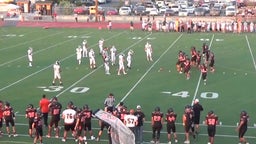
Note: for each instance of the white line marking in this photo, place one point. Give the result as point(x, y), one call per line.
point(13, 46)
point(128, 93)
point(200, 77)
point(53, 46)
point(48, 67)
point(98, 68)
point(249, 46)
point(162, 132)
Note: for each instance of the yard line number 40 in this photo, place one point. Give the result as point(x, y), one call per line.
point(184, 94)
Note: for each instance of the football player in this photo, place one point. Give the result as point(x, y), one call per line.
point(92, 59)
point(79, 51)
point(56, 73)
point(157, 124)
point(121, 65)
point(30, 56)
point(30, 115)
point(211, 121)
point(148, 50)
point(170, 118)
point(242, 127)
point(129, 58)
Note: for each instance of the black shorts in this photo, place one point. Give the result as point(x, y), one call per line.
point(193, 59)
point(68, 127)
point(187, 127)
point(8, 122)
point(104, 125)
point(186, 69)
point(55, 121)
point(39, 132)
point(170, 128)
point(211, 63)
point(242, 131)
point(30, 122)
point(88, 126)
point(211, 131)
point(1, 122)
point(196, 120)
point(157, 127)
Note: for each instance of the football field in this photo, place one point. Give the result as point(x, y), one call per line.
point(229, 90)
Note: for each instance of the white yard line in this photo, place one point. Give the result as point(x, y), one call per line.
point(19, 44)
point(24, 78)
point(249, 47)
point(99, 67)
point(146, 131)
point(41, 50)
point(200, 77)
point(136, 84)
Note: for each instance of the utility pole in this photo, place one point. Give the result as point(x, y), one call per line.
point(96, 10)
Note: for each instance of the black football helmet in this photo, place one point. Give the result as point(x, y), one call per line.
point(170, 110)
point(86, 106)
point(30, 106)
point(157, 109)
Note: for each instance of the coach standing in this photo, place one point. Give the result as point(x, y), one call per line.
point(197, 108)
point(44, 103)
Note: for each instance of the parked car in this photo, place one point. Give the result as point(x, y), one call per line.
point(230, 11)
point(215, 12)
point(199, 11)
point(191, 9)
point(81, 10)
point(206, 7)
point(169, 12)
point(175, 8)
point(111, 11)
point(154, 12)
point(183, 12)
point(163, 9)
point(125, 11)
point(140, 10)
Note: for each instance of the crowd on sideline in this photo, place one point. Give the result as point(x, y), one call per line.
point(78, 121)
point(190, 25)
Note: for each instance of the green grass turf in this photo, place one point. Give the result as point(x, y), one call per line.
point(233, 81)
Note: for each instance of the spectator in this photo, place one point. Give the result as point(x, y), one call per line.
point(43, 104)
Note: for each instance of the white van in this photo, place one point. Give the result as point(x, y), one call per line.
point(102, 1)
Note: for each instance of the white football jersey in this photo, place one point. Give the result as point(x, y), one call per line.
point(69, 116)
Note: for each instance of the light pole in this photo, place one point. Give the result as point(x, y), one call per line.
point(96, 10)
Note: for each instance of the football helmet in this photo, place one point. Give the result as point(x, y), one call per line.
point(157, 109)
point(170, 110)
